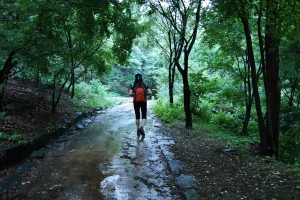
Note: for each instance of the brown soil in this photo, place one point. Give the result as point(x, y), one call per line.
point(237, 174)
point(28, 110)
point(222, 175)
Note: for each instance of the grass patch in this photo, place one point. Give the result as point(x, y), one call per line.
point(16, 137)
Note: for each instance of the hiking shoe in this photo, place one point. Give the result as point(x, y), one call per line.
point(142, 131)
point(138, 132)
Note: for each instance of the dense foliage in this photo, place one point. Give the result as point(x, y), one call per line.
point(57, 44)
point(235, 76)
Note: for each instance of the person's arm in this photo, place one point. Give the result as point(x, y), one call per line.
point(131, 93)
point(149, 92)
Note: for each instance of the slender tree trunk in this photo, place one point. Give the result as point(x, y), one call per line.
point(171, 83)
point(55, 100)
point(2, 96)
point(263, 139)
point(171, 38)
point(292, 94)
point(186, 99)
point(73, 83)
point(187, 92)
point(186, 41)
point(247, 118)
point(72, 62)
point(187, 102)
point(8, 65)
point(4, 72)
point(249, 102)
point(249, 97)
point(37, 78)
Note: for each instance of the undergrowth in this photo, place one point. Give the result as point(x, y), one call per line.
point(93, 95)
point(221, 128)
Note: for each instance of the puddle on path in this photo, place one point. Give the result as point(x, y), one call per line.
point(106, 161)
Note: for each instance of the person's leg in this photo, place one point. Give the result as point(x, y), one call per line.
point(137, 116)
point(137, 122)
point(144, 117)
point(143, 122)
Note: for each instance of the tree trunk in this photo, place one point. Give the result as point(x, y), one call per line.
point(8, 65)
point(272, 42)
point(56, 101)
point(186, 39)
point(263, 139)
point(73, 83)
point(246, 119)
point(172, 66)
point(187, 100)
point(187, 91)
point(292, 93)
point(274, 98)
point(171, 82)
point(249, 99)
point(53, 96)
point(37, 78)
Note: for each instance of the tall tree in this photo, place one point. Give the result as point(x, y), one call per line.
point(273, 15)
point(164, 38)
point(184, 17)
point(224, 40)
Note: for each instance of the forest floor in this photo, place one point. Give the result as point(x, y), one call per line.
point(235, 174)
point(232, 174)
point(28, 110)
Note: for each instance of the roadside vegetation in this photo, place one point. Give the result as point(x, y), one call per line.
point(225, 128)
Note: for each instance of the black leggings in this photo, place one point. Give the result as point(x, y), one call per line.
point(140, 106)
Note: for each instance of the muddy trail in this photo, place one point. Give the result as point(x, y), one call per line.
point(106, 161)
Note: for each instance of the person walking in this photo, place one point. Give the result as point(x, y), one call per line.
point(139, 91)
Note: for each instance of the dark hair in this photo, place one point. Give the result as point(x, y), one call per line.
point(138, 78)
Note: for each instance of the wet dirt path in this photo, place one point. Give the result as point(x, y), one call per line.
point(106, 161)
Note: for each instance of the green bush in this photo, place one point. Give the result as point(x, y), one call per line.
point(226, 121)
point(290, 146)
point(203, 111)
point(3, 136)
point(13, 137)
point(94, 94)
point(168, 113)
point(290, 136)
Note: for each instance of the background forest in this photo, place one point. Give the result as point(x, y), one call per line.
point(229, 67)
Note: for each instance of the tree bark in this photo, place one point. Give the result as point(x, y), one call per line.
point(273, 94)
point(249, 95)
point(8, 65)
point(246, 119)
point(171, 68)
point(55, 100)
point(171, 83)
point(187, 101)
point(274, 98)
point(263, 139)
